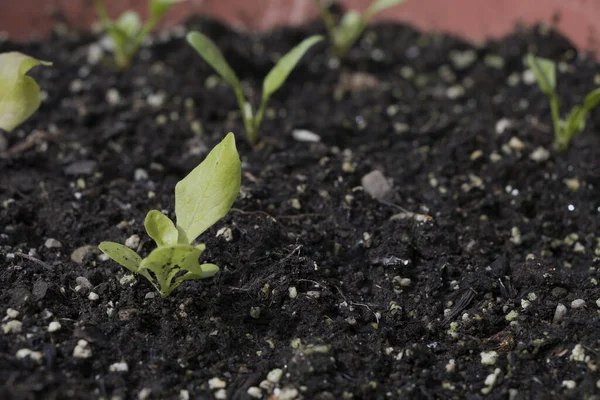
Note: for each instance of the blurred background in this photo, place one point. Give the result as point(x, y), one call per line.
point(472, 19)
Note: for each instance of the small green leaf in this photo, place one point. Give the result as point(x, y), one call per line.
point(159, 7)
point(19, 93)
point(161, 228)
point(208, 192)
point(198, 272)
point(544, 71)
point(379, 6)
point(129, 23)
point(277, 76)
point(592, 100)
point(122, 254)
point(348, 31)
point(574, 123)
point(209, 51)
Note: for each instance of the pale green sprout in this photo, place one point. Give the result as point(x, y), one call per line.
point(351, 26)
point(202, 198)
point(544, 71)
point(128, 32)
point(19, 93)
point(209, 51)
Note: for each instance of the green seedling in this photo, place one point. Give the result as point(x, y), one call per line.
point(19, 93)
point(343, 35)
point(544, 71)
point(209, 51)
point(128, 32)
point(201, 199)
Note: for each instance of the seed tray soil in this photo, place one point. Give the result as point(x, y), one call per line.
point(447, 289)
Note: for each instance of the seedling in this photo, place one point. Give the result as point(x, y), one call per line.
point(209, 51)
point(128, 32)
point(201, 199)
point(351, 26)
point(545, 74)
point(19, 93)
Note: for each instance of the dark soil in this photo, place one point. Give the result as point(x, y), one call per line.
point(472, 253)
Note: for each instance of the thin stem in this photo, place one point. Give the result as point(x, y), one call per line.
point(559, 139)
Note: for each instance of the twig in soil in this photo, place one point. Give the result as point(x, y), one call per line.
point(33, 139)
point(463, 303)
point(35, 260)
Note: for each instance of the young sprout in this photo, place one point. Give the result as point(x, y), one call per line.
point(201, 199)
point(128, 32)
point(209, 51)
point(544, 71)
point(352, 24)
point(19, 93)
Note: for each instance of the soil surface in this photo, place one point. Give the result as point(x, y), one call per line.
point(476, 275)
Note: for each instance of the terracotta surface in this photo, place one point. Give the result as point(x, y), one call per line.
point(473, 19)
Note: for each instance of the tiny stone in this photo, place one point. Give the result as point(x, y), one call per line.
point(489, 358)
point(569, 384)
point(216, 383)
point(454, 92)
point(78, 255)
point(12, 326)
point(52, 243)
point(578, 248)
point(559, 313)
point(540, 154)
point(32, 355)
point(376, 184)
point(275, 375)
point(112, 96)
point(144, 394)
point(254, 392)
point(476, 155)
point(11, 313)
point(119, 367)
point(405, 282)
point(293, 292)
point(303, 135)
point(502, 125)
point(578, 353)
point(516, 144)
point(127, 279)
point(94, 54)
point(288, 394)
point(528, 77)
point(150, 295)
point(54, 326)
point(140, 174)
point(184, 394)
point(93, 296)
point(82, 350)
point(132, 241)
point(295, 204)
point(511, 316)
point(221, 394)
point(226, 233)
point(83, 282)
point(578, 303)
point(81, 167)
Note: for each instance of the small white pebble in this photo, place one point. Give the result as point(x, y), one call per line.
point(275, 375)
point(113, 96)
point(221, 394)
point(559, 313)
point(93, 296)
point(539, 155)
point(12, 326)
point(225, 233)
point(216, 383)
point(119, 367)
point(82, 350)
point(578, 353)
point(32, 355)
point(577, 303)
point(516, 144)
point(54, 326)
point(184, 394)
point(489, 357)
point(132, 241)
point(52, 243)
point(10, 313)
point(287, 393)
point(144, 394)
point(303, 135)
point(140, 174)
point(490, 380)
point(502, 125)
point(254, 392)
point(569, 384)
point(293, 292)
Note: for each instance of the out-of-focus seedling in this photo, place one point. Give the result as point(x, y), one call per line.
point(209, 51)
point(544, 71)
point(344, 34)
point(19, 93)
point(128, 32)
point(201, 199)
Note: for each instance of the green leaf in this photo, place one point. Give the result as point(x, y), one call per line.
point(122, 254)
point(592, 100)
point(161, 228)
point(209, 51)
point(198, 272)
point(379, 6)
point(208, 192)
point(277, 76)
point(167, 261)
point(545, 73)
point(19, 93)
point(159, 7)
point(129, 23)
point(574, 123)
point(348, 31)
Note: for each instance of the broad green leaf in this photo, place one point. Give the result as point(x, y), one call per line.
point(208, 192)
point(129, 23)
point(209, 51)
point(122, 254)
point(277, 76)
point(545, 73)
point(159, 7)
point(349, 29)
point(592, 100)
point(574, 123)
point(19, 93)
point(161, 228)
point(198, 272)
point(379, 6)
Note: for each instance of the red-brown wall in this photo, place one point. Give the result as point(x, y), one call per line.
point(472, 19)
